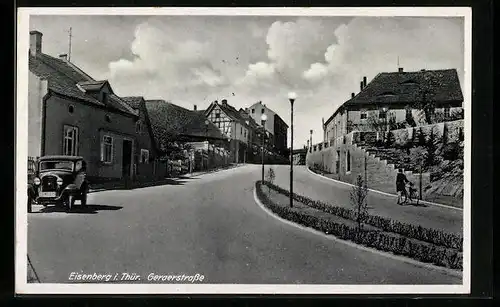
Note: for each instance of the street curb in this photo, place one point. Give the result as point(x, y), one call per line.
point(176, 178)
point(384, 193)
point(351, 244)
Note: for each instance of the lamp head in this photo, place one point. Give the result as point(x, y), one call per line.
point(263, 117)
point(292, 96)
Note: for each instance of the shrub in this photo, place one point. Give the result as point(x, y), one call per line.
point(358, 200)
point(451, 151)
point(388, 242)
point(433, 236)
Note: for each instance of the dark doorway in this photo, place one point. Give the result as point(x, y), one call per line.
point(126, 158)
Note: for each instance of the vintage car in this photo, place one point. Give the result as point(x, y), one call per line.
point(60, 180)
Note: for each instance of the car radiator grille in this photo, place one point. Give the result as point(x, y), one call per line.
point(49, 183)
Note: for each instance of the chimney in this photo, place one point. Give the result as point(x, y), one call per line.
point(35, 42)
point(400, 69)
point(195, 108)
point(364, 81)
point(422, 69)
point(352, 95)
point(224, 101)
point(361, 85)
point(63, 57)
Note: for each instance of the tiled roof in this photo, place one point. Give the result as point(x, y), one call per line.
point(168, 121)
point(405, 87)
point(62, 79)
point(249, 119)
point(231, 112)
point(133, 101)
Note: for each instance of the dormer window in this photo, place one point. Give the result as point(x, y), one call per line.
point(105, 97)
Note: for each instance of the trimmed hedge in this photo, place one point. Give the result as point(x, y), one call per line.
point(437, 237)
point(387, 242)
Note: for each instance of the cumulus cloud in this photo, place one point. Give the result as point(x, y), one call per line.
point(196, 59)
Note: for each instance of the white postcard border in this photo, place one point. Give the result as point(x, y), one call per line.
point(21, 236)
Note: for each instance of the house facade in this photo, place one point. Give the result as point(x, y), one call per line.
point(146, 159)
point(275, 125)
point(174, 126)
point(70, 113)
point(233, 126)
point(392, 101)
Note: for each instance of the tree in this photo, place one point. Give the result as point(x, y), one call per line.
point(358, 197)
point(409, 118)
point(270, 177)
point(431, 146)
point(427, 92)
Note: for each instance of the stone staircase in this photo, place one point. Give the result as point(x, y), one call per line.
point(393, 158)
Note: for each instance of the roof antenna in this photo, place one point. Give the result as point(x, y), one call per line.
point(69, 51)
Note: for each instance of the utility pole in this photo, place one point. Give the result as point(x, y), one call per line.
point(69, 51)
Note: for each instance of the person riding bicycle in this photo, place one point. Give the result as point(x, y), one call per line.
point(401, 182)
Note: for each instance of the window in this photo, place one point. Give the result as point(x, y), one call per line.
point(144, 156)
point(348, 161)
point(107, 118)
point(241, 130)
point(363, 114)
point(447, 112)
point(71, 109)
point(245, 134)
point(70, 142)
point(217, 114)
point(138, 127)
point(107, 149)
point(262, 111)
point(253, 111)
point(382, 114)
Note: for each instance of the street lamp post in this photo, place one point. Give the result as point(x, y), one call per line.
point(206, 139)
point(311, 138)
point(263, 119)
point(291, 97)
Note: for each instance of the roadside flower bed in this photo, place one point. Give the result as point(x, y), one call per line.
point(397, 238)
point(434, 236)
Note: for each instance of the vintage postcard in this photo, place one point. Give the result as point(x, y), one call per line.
point(243, 150)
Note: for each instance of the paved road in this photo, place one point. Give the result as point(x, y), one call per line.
point(208, 225)
point(316, 187)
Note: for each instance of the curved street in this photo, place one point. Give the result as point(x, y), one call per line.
point(212, 226)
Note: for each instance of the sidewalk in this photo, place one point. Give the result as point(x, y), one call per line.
point(121, 185)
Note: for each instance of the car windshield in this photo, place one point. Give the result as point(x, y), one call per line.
point(62, 165)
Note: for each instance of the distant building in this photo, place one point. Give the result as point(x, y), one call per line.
point(233, 126)
point(299, 156)
point(391, 100)
point(173, 125)
point(275, 125)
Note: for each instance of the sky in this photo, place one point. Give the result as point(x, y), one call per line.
point(194, 60)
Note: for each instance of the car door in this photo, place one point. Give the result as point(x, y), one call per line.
point(80, 173)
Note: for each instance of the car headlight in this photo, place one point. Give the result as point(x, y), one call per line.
point(59, 181)
point(36, 181)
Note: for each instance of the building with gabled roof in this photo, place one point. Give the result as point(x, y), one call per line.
point(392, 100)
point(233, 126)
point(70, 114)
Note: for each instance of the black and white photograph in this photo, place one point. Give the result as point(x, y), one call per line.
point(244, 150)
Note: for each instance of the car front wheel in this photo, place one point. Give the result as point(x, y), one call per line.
point(70, 201)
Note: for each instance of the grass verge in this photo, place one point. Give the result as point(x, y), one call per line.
point(380, 233)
